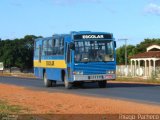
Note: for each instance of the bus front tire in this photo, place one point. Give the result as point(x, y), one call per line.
point(67, 84)
point(102, 84)
point(47, 83)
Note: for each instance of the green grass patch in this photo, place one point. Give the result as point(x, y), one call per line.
point(141, 80)
point(5, 108)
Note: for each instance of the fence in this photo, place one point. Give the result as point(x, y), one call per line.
point(122, 70)
point(17, 70)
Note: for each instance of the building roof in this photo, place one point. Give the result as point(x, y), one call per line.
point(153, 47)
point(149, 54)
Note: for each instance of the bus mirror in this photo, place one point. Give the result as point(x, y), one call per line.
point(72, 46)
point(115, 45)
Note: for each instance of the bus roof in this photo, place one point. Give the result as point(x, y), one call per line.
point(72, 33)
point(89, 32)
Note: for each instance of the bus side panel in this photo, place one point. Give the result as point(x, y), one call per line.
point(38, 72)
point(53, 74)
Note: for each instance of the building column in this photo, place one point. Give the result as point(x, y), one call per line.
point(131, 68)
point(154, 66)
point(139, 67)
point(135, 67)
point(149, 68)
point(145, 67)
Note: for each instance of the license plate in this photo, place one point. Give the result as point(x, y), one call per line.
point(109, 76)
point(97, 77)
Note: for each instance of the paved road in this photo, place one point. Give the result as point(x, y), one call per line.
point(134, 92)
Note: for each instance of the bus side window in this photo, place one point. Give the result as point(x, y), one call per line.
point(36, 50)
point(57, 46)
point(61, 51)
point(50, 47)
point(44, 48)
point(54, 49)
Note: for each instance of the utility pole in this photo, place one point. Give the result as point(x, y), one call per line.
point(125, 39)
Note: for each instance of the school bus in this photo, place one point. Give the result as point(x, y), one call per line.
point(76, 57)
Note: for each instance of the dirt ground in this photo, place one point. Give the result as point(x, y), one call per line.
point(42, 102)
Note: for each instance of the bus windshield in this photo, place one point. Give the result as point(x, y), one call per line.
point(94, 51)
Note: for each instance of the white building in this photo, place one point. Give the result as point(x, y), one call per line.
point(146, 64)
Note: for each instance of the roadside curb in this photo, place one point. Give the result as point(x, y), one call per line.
point(134, 82)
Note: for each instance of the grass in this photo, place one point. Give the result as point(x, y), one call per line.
point(5, 108)
point(23, 75)
point(141, 80)
point(16, 112)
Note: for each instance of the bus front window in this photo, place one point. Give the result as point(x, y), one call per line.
point(94, 51)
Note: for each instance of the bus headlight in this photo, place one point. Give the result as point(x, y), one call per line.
point(78, 72)
point(110, 72)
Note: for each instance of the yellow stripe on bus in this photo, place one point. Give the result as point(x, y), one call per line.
point(50, 63)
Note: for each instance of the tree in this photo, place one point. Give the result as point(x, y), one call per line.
point(146, 43)
point(121, 53)
point(132, 50)
point(18, 52)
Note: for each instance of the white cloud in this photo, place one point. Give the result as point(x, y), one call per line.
point(152, 9)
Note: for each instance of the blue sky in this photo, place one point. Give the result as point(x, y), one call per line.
point(131, 19)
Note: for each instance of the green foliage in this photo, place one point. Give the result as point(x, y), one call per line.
point(121, 54)
point(17, 52)
point(6, 109)
point(146, 43)
point(132, 50)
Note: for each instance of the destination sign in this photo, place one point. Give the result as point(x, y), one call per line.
point(93, 36)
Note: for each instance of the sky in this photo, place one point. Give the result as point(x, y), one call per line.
point(134, 20)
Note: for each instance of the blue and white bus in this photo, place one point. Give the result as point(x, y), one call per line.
point(75, 58)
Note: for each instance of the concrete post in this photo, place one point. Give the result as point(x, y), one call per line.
point(138, 67)
point(135, 68)
point(154, 66)
point(149, 68)
point(131, 68)
point(145, 67)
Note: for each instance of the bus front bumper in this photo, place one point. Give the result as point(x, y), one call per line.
point(94, 77)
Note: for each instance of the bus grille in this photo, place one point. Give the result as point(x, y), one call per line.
point(91, 68)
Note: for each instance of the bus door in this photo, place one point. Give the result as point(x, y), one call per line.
point(68, 60)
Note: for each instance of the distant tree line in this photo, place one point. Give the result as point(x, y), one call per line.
point(17, 52)
point(132, 50)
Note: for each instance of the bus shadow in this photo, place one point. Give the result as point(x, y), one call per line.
point(76, 86)
point(128, 85)
point(115, 85)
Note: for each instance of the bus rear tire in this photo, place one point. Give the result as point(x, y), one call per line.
point(47, 83)
point(53, 83)
point(79, 84)
point(102, 84)
point(67, 84)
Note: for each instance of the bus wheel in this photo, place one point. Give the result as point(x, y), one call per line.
point(67, 84)
point(79, 84)
point(47, 83)
point(102, 84)
point(53, 83)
